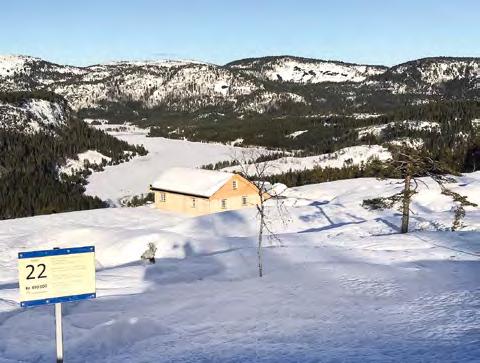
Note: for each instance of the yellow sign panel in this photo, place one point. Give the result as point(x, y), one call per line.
point(61, 275)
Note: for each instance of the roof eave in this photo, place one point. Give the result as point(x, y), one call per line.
point(178, 192)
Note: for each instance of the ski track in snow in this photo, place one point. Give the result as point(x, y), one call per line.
point(343, 285)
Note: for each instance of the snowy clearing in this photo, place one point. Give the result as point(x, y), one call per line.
point(343, 285)
point(74, 165)
point(362, 116)
point(408, 124)
point(353, 155)
point(415, 143)
point(295, 134)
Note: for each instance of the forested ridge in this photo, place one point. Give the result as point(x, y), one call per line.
point(455, 136)
point(455, 144)
point(29, 180)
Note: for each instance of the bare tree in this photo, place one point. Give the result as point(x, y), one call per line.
point(257, 172)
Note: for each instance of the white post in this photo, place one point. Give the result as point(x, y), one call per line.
point(59, 332)
point(58, 328)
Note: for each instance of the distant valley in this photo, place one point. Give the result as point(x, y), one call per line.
point(302, 108)
point(281, 85)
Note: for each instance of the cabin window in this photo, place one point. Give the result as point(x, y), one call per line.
point(224, 204)
point(163, 197)
point(194, 202)
point(234, 184)
point(244, 200)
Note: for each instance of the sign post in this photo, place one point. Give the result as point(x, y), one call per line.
point(59, 332)
point(56, 276)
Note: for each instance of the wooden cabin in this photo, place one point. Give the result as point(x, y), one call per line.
point(199, 192)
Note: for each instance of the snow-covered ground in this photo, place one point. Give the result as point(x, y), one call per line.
point(408, 124)
point(341, 286)
point(292, 69)
point(295, 134)
point(353, 155)
point(415, 142)
point(93, 157)
point(32, 116)
point(134, 177)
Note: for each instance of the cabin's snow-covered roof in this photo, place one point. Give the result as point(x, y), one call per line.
point(199, 182)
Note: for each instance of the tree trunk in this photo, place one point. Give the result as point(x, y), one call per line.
point(406, 204)
point(260, 238)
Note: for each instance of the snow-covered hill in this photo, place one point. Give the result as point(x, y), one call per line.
point(433, 75)
point(178, 85)
point(354, 155)
point(33, 115)
point(243, 86)
point(304, 70)
point(342, 285)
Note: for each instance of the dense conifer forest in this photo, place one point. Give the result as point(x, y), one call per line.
point(29, 180)
point(455, 142)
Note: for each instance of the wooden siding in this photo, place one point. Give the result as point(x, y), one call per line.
point(181, 203)
point(233, 197)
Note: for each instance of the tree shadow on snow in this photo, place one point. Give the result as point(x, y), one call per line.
point(320, 213)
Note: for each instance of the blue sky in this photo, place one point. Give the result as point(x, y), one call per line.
point(364, 31)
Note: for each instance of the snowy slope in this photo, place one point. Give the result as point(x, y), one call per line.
point(434, 71)
point(10, 64)
point(177, 85)
point(75, 165)
point(354, 155)
point(156, 83)
point(343, 286)
point(303, 70)
point(32, 115)
point(430, 75)
point(417, 125)
point(240, 86)
point(24, 73)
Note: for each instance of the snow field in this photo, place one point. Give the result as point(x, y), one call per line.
point(353, 155)
point(341, 286)
point(134, 177)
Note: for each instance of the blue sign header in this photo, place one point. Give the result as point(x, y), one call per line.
point(55, 300)
point(57, 252)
